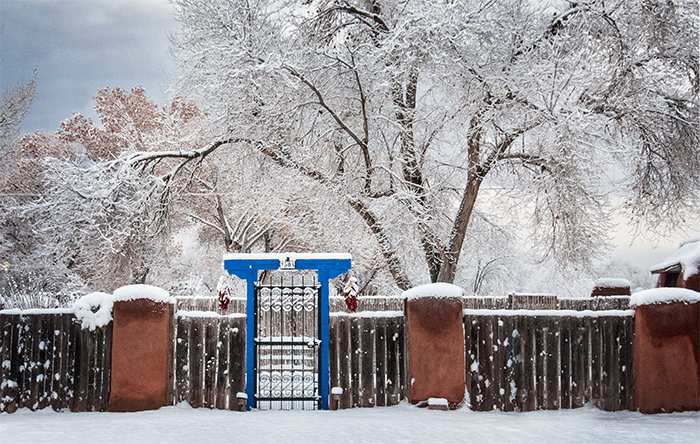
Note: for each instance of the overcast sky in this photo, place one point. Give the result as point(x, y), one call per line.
point(80, 46)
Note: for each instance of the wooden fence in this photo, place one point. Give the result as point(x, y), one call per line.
point(512, 301)
point(528, 361)
point(46, 360)
point(596, 303)
point(209, 303)
point(209, 359)
point(486, 303)
point(368, 358)
point(516, 360)
point(336, 304)
point(545, 302)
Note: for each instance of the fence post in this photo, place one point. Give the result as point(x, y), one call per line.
point(141, 349)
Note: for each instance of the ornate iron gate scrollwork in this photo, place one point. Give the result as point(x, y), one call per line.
point(287, 339)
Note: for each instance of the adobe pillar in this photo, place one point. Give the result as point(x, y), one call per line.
point(142, 341)
point(436, 356)
point(667, 350)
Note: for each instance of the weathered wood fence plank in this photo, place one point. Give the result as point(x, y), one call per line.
point(380, 361)
point(368, 371)
point(223, 386)
point(209, 360)
point(371, 358)
point(344, 360)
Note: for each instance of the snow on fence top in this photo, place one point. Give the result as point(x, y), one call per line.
point(664, 295)
point(39, 311)
point(438, 289)
point(611, 283)
point(370, 314)
point(686, 258)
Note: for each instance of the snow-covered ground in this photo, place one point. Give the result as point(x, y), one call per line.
point(403, 423)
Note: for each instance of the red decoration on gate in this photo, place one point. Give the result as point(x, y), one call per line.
point(350, 293)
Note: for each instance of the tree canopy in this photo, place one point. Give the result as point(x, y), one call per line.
point(421, 115)
point(433, 140)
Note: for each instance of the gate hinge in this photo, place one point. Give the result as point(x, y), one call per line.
point(313, 342)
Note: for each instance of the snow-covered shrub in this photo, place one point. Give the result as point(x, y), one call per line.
point(42, 288)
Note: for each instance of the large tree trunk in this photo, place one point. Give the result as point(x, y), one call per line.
point(459, 230)
point(388, 251)
point(474, 178)
point(405, 93)
point(434, 251)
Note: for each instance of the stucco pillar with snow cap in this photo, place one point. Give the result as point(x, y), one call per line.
point(435, 343)
point(141, 348)
point(666, 350)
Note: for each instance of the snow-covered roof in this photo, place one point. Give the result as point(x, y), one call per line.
point(664, 295)
point(686, 258)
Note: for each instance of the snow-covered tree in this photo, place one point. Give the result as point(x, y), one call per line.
point(417, 114)
point(76, 207)
point(131, 200)
point(14, 106)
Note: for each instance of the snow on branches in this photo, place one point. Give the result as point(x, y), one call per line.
point(420, 115)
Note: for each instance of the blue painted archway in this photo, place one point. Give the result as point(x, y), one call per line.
point(247, 266)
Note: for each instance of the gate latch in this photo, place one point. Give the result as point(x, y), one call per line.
point(313, 343)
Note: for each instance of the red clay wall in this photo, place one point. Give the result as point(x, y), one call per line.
point(667, 357)
point(676, 280)
point(692, 283)
point(435, 349)
point(141, 352)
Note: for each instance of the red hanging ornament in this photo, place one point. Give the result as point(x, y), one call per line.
point(224, 294)
point(350, 293)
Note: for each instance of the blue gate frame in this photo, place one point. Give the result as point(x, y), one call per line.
point(247, 266)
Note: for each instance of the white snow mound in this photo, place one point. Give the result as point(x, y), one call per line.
point(438, 289)
point(664, 295)
point(94, 310)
